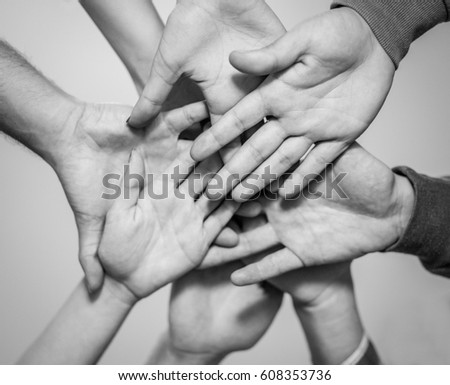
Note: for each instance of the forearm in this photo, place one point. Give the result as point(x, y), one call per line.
point(332, 326)
point(33, 110)
point(166, 354)
point(83, 328)
point(396, 24)
point(133, 28)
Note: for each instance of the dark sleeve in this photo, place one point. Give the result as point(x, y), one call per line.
point(428, 232)
point(397, 23)
point(370, 357)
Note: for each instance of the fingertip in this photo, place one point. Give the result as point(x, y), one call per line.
point(142, 115)
point(240, 278)
point(241, 194)
point(94, 277)
point(250, 62)
point(227, 238)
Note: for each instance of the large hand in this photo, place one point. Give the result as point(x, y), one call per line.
point(308, 287)
point(197, 41)
point(210, 316)
point(329, 79)
point(149, 241)
point(100, 144)
point(367, 213)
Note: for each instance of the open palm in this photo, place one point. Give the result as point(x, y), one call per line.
point(99, 145)
point(148, 242)
point(197, 41)
point(329, 78)
point(322, 226)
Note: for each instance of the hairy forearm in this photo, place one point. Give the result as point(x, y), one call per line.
point(133, 28)
point(33, 110)
point(166, 354)
point(332, 326)
point(83, 328)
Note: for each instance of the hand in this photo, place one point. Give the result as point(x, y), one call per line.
point(209, 316)
point(324, 226)
point(197, 40)
point(100, 144)
point(148, 242)
point(329, 79)
point(308, 287)
point(324, 300)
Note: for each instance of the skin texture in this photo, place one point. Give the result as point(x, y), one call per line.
point(209, 316)
point(328, 79)
point(99, 144)
point(320, 229)
point(147, 242)
point(197, 40)
point(324, 300)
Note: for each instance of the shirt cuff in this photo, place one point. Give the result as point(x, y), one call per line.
point(428, 232)
point(396, 24)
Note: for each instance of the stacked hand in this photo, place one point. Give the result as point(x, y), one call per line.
point(210, 317)
point(328, 79)
point(324, 227)
point(100, 144)
point(197, 40)
point(148, 242)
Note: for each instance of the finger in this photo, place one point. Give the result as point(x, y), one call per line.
point(214, 224)
point(198, 179)
point(181, 167)
point(251, 242)
point(271, 266)
point(243, 116)
point(279, 55)
point(250, 210)
point(252, 153)
point(227, 152)
point(132, 183)
point(313, 164)
point(89, 239)
point(227, 238)
point(185, 117)
point(156, 91)
point(288, 154)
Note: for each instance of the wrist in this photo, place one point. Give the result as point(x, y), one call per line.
point(332, 326)
point(404, 205)
point(68, 113)
point(118, 293)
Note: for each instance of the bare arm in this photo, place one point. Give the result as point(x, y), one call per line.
point(83, 328)
point(133, 28)
point(33, 110)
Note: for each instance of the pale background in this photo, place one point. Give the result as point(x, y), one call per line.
point(406, 310)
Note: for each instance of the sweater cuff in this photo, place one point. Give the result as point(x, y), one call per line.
point(428, 232)
point(397, 23)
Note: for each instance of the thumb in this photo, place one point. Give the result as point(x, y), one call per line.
point(89, 239)
point(279, 55)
